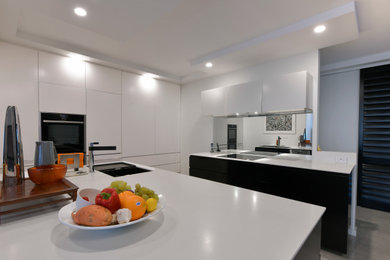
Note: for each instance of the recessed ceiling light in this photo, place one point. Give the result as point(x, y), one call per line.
point(208, 65)
point(80, 11)
point(320, 28)
point(151, 75)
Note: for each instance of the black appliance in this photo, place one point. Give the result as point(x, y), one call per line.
point(232, 137)
point(67, 131)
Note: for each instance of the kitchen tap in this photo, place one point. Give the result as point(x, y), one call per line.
point(91, 156)
point(218, 150)
point(278, 141)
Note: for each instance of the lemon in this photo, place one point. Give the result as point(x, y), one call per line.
point(151, 204)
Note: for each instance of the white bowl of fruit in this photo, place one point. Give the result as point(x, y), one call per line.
point(113, 207)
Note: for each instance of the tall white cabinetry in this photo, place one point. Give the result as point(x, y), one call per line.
point(293, 91)
point(61, 84)
point(19, 87)
point(138, 115)
point(167, 118)
point(150, 116)
point(104, 106)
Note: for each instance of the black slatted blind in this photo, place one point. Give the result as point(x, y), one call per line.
point(374, 138)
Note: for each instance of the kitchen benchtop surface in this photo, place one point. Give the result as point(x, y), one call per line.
point(286, 159)
point(202, 220)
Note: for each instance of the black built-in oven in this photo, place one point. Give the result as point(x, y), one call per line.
point(67, 131)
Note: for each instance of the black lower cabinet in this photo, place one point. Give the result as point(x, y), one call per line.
point(321, 188)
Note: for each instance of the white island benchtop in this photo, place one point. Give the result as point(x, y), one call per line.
point(288, 160)
point(202, 220)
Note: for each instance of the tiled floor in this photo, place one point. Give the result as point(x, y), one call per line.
point(373, 237)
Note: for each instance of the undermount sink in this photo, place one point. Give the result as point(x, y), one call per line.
point(119, 169)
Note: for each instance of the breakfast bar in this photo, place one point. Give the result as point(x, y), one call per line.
point(202, 219)
point(292, 176)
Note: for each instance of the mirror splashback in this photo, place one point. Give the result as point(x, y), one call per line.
point(264, 130)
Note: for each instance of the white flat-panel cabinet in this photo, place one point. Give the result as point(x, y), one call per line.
point(244, 98)
point(103, 78)
point(61, 70)
point(61, 99)
point(138, 115)
point(61, 84)
point(104, 119)
point(167, 117)
point(19, 87)
point(214, 102)
point(287, 92)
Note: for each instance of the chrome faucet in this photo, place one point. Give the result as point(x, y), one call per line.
point(13, 162)
point(91, 156)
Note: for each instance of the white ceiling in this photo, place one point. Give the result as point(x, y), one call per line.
point(173, 38)
point(374, 34)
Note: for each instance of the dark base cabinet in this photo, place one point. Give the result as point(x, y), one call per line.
point(322, 188)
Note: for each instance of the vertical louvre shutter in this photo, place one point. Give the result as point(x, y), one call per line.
point(374, 138)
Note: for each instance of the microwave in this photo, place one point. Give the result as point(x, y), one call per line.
point(67, 131)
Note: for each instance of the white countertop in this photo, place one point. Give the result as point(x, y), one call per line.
point(289, 160)
point(202, 220)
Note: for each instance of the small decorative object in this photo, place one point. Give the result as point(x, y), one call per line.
point(280, 124)
point(47, 173)
point(45, 153)
point(13, 162)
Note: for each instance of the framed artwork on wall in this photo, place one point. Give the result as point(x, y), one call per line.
point(279, 124)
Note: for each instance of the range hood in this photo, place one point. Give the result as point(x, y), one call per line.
point(278, 95)
point(281, 112)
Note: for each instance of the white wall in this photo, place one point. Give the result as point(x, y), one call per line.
point(339, 112)
point(254, 133)
point(197, 130)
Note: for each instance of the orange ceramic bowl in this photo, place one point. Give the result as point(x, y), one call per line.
point(47, 173)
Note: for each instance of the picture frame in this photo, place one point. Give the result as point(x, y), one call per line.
point(280, 124)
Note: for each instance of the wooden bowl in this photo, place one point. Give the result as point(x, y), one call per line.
point(47, 173)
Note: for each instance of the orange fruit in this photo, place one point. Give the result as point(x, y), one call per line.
point(135, 203)
point(125, 194)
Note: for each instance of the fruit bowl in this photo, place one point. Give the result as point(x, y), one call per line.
point(47, 173)
point(65, 216)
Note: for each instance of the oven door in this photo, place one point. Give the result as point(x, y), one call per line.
point(65, 130)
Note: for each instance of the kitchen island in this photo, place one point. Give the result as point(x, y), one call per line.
point(202, 220)
point(290, 176)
